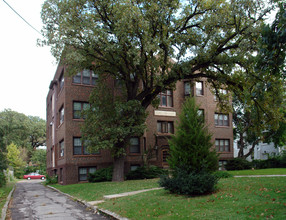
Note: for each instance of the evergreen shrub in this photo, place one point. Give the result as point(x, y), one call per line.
point(145, 172)
point(192, 184)
point(101, 175)
point(192, 158)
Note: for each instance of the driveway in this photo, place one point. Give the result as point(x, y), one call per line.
point(32, 200)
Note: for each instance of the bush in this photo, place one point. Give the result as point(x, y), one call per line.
point(3, 179)
point(104, 174)
point(222, 174)
point(51, 179)
point(259, 164)
point(283, 159)
point(238, 164)
point(190, 184)
point(146, 173)
point(273, 162)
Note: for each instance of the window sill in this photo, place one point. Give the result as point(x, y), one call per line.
point(222, 126)
point(78, 119)
point(81, 84)
point(82, 155)
point(134, 154)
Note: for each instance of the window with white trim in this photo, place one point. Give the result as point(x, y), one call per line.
point(221, 119)
point(222, 145)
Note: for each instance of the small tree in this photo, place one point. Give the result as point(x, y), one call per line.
point(190, 147)
point(14, 159)
point(191, 157)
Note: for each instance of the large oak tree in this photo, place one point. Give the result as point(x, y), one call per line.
point(156, 43)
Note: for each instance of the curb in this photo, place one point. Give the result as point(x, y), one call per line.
point(110, 214)
point(5, 207)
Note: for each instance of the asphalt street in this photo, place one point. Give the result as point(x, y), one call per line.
point(31, 200)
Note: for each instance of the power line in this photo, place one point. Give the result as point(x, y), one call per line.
point(21, 17)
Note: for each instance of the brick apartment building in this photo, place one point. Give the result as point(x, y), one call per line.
point(69, 159)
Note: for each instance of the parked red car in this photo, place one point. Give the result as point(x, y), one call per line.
point(34, 176)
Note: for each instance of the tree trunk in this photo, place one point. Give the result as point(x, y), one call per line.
point(240, 146)
point(118, 169)
point(251, 149)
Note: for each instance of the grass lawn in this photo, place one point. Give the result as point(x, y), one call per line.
point(4, 192)
point(236, 198)
point(96, 191)
point(274, 171)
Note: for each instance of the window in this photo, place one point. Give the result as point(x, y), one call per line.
point(166, 98)
point(62, 80)
point(201, 113)
point(187, 87)
point(84, 171)
point(199, 89)
point(222, 145)
point(80, 148)
point(62, 148)
point(62, 115)
point(85, 77)
point(165, 127)
point(165, 155)
point(134, 145)
point(221, 119)
point(78, 107)
point(77, 147)
point(222, 164)
point(134, 167)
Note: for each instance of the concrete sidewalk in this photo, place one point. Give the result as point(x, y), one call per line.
point(259, 175)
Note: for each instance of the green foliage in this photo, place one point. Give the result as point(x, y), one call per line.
point(3, 179)
point(137, 42)
point(194, 183)
point(39, 158)
point(273, 162)
point(37, 131)
point(51, 179)
point(238, 164)
point(145, 172)
point(102, 175)
point(110, 121)
point(259, 111)
point(14, 160)
point(190, 147)
point(34, 169)
point(191, 158)
point(222, 174)
point(24, 131)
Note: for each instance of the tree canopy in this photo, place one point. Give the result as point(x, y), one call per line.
point(259, 112)
point(24, 131)
point(154, 42)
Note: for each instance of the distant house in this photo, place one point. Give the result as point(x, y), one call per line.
point(68, 157)
point(262, 151)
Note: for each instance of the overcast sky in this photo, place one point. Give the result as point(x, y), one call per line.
point(26, 70)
